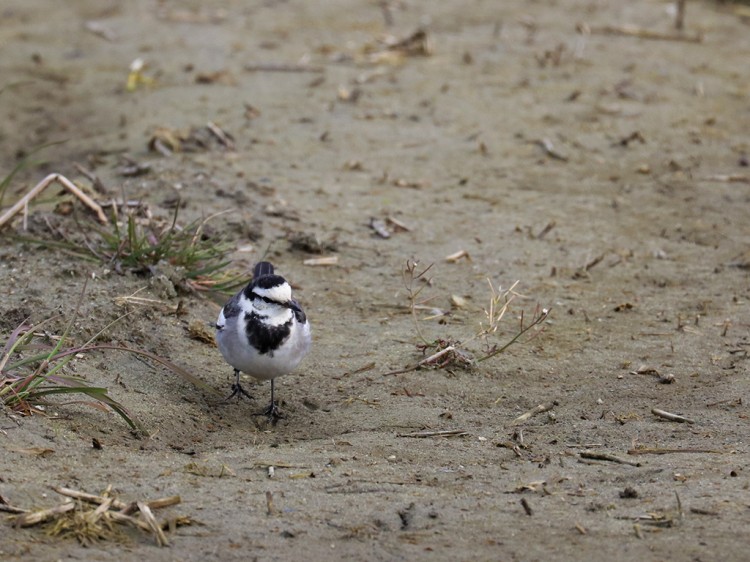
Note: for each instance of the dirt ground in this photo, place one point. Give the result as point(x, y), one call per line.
point(605, 172)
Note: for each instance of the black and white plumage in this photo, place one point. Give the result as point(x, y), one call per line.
point(263, 331)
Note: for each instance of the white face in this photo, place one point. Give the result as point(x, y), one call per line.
point(281, 293)
point(274, 314)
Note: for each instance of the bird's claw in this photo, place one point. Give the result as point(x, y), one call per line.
point(238, 391)
point(273, 413)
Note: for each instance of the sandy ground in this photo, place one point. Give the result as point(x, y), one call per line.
point(626, 226)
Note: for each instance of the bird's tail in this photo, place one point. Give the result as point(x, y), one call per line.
point(262, 268)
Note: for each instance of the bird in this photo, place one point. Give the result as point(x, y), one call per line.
point(263, 332)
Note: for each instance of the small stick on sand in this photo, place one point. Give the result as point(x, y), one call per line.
point(36, 517)
point(632, 31)
point(270, 508)
point(23, 203)
point(223, 137)
point(606, 457)
point(541, 408)
point(90, 498)
point(679, 19)
point(658, 451)
point(671, 417)
point(282, 67)
point(444, 433)
point(527, 507)
point(132, 507)
point(426, 361)
point(161, 538)
point(550, 150)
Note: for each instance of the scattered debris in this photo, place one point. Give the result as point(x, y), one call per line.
point(73, 519)
point(661, 379)
point(392, 50)
point(167, 141)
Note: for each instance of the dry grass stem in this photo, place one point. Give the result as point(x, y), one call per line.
point(328, 260)
point(35, 517)
point(606, 457)
point(670, 416)
point(660, 451)
point(633, 31)
point(23, 203)
point(443, 433)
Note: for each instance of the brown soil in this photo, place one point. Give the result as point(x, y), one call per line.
point(626, 228)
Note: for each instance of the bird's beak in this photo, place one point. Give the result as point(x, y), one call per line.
point(292, 304)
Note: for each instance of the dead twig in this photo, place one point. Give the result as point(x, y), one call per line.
point(161, 538)
point(606, 457)
point(679, 18)
point(633, 31)
point(432, 360)
point(23, 203)
point(35, 517)
point(282, 67)
point(222, 136)
point(324, 261)
point(86, 497)
point(362, 369)
point(670, 416)
point(541, 408)
point(660, 451)
point(729, 178)
point(527, 507)
point(443, 433)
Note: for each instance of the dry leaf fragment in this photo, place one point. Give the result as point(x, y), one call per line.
point(458, 301)
point(199, 331)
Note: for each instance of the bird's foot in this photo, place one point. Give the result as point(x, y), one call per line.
point(238, 391)
point(273, 413)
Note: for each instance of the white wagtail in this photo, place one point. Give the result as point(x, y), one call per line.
point(262, 331)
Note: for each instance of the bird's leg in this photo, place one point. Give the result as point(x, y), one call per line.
point(272, 412)
point(237, 389)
